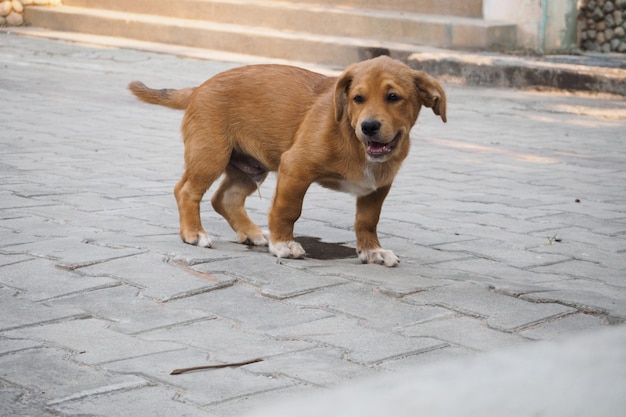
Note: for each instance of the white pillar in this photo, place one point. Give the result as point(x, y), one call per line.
point(544, 26)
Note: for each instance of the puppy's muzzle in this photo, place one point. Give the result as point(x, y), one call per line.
point(376, 146)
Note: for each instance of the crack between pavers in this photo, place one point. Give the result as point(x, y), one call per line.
point(535, 323)
point(88, 290)
point(579, 307)
point(78, 265)
point(191, 322)
point(123, 386)
point(80, 316)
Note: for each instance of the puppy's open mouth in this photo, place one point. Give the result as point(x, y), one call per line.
point(377, 149)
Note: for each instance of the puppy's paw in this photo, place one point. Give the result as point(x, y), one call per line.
point(290, 249)
point(378, 256)
point(201, 239)
point(259, 239)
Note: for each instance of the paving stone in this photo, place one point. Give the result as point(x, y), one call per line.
point(361, 345)
point(579, 234)
point(51, 376)
point(583, 269)
point(251, 403)
point(408, 277)
point(69, 252)
point(92, 341)
point(501, 312)
point(148, 401)
point(277, 280)
point(585, 295)
point(500, 272)
point(611, 228)
point(431, 357)
point(91, 202)
point(595, 209)
point(422, 236)
point(171, 246)
point(14, 345)
point(241, 304)
point(484, 229)
point(39, 280)
point(201, 387)
point(496, 250)
point(318, 366)
point(17, 401)
point(593, 253)
point(377, 310)
point(30, 229)
point(158, 278)
point(341, 232)
point(17, 312)
point(128, 312)
point(421, 255)
point(12, 201)
point(466, 332)
point(468, 210)
point(217, 337)
point(13, 259)
point(557, 329)
point(438, 231)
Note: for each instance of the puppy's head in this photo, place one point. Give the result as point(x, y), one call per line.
point(381, 98)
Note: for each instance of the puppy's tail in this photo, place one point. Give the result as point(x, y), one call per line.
point(174, 99)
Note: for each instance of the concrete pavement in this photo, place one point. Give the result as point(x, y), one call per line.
point(510, 222)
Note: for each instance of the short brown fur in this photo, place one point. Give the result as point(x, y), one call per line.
point(349, 133)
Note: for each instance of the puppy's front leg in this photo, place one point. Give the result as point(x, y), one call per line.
point(368, 248)
point(286, 209)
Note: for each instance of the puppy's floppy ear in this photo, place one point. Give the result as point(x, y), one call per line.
point(341, 93)
point(431, 93)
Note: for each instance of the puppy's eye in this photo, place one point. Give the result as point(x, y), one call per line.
point(358, 99)
point(393, 97)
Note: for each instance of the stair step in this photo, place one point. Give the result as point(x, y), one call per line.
point(321, 34)
point(322, 50)
point(466, 8)
point(381, 25)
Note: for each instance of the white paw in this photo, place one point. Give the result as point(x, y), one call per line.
point(378, 256)
point(202, 239)
point(290, 249)
point(257, 240)
point(262, 240)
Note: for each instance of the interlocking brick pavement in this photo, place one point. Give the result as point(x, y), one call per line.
point(510, 222)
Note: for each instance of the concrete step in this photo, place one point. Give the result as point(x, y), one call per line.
point(330, 51)
point(333, 35)
point(382, 25)
point(467, 8)
point(588, 73)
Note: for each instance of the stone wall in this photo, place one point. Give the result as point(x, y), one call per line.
point(12, 11)
point(603, 25)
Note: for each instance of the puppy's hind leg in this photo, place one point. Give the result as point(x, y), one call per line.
point(199, 174)
point(188, 196)
point(229, 201)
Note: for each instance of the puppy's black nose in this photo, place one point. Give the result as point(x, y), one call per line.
point(370, 127)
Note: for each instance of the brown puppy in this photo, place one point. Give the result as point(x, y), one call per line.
point(349, 133)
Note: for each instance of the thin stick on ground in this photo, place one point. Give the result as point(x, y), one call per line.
point(218, 366)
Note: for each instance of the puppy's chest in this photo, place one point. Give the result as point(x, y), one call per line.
point(358, 189)
point(360, 186)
